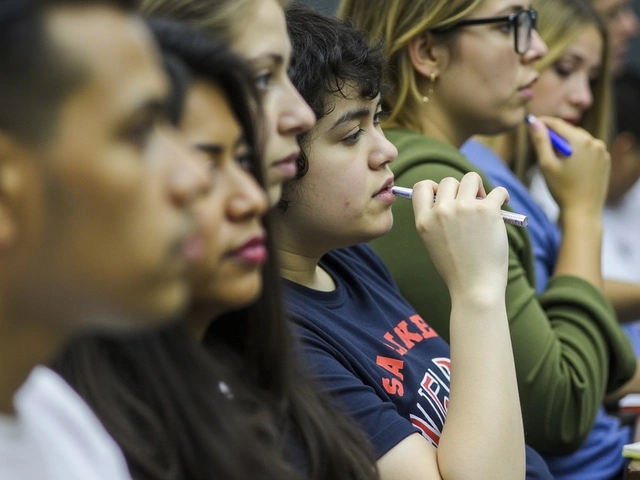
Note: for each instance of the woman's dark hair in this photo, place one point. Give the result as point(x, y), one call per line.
point(329, 57)
point(238, 408)
point(188, 55)
point(166, 403)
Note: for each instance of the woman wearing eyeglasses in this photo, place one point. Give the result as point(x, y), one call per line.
point(573, 85)
point(459, 68)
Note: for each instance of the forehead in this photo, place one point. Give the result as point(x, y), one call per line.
point(587, 45)
point(208, 115)
point(114, 49)
point(339, 104)
point(606, 6)
point(500, 7)
point(264, 32)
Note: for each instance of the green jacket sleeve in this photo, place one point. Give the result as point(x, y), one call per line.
point(569, 349)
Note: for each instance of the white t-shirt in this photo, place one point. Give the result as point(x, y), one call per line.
point(55, 436)
point(620, 227)
point(621, 238)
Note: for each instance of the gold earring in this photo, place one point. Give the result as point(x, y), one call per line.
point(432, 80)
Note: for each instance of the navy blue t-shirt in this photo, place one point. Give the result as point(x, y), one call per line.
point(373, 353)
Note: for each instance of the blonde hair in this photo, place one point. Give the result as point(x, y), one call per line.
point(222, 18)
point(560, 22)
point(397, 22)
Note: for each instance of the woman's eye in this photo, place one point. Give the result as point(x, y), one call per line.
point(379, 117)
point(354, 137)
point(139, 134)
point(562, 70)
point(263, 80)
point(245, 161)
point(506, 27)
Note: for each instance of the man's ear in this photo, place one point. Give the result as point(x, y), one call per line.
point(12, 155)
point(427, 56)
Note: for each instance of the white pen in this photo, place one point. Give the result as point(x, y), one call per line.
point(513, 218)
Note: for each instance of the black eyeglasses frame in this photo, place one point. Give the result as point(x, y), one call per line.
point(512, 18)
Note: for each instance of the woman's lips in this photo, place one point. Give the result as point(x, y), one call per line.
point(253, 252)
point(288, 167)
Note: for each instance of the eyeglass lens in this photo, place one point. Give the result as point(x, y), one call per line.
point(523, 31)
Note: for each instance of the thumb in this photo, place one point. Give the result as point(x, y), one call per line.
point(541, 141)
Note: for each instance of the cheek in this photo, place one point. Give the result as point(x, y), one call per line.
point(271, 115)
point(210, 217)
point(548, 97)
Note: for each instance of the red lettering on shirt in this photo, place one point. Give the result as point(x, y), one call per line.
point(427, 331)
point(444, 365)
point(428, 431)
point(402, 335)
point(436, 393)
point(408, 338)
point(393, 386)
point(397, 348)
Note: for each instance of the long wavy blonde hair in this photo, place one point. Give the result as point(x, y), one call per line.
point(397, 22)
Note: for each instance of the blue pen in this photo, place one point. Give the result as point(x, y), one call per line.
point(559, 143)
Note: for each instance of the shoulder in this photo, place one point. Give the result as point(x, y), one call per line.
point(364, 265)
point(421, 157)
point(414, 148)
point(67, 428)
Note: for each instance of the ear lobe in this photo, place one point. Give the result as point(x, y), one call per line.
point(424, 55)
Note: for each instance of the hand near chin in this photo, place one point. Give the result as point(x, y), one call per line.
point(579, 182)
point(463, 230)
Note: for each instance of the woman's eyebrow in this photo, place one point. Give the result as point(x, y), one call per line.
point(349, 115)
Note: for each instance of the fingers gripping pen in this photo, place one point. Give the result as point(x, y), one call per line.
point(559, 143)
point(509, 217)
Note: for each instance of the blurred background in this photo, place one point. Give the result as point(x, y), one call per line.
point(329, 6)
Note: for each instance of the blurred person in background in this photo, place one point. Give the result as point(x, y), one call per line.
point(621, 21)
point(96, 220)
point(574, 85)
point(467, 67)
point(255, 29)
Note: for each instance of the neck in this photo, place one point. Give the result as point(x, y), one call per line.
point(200, 315)
point(299, 256)
point(305, 271)
point(436, 125)
point(24, 344)
point(503, 145)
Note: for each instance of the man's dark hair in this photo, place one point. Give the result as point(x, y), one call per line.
point(330, 56)
point(35, 75)
point(627, 103)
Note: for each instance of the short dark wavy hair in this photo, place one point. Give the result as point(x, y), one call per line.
point(329, 57)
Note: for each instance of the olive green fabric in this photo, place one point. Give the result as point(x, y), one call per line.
point(569, 349)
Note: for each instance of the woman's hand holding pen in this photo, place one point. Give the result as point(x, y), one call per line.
point(465, 235)
point(579, 182)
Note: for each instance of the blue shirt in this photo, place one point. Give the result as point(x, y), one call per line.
point(372, 352)
point(600, 457)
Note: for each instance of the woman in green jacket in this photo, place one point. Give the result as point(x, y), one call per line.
point(459, 68)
